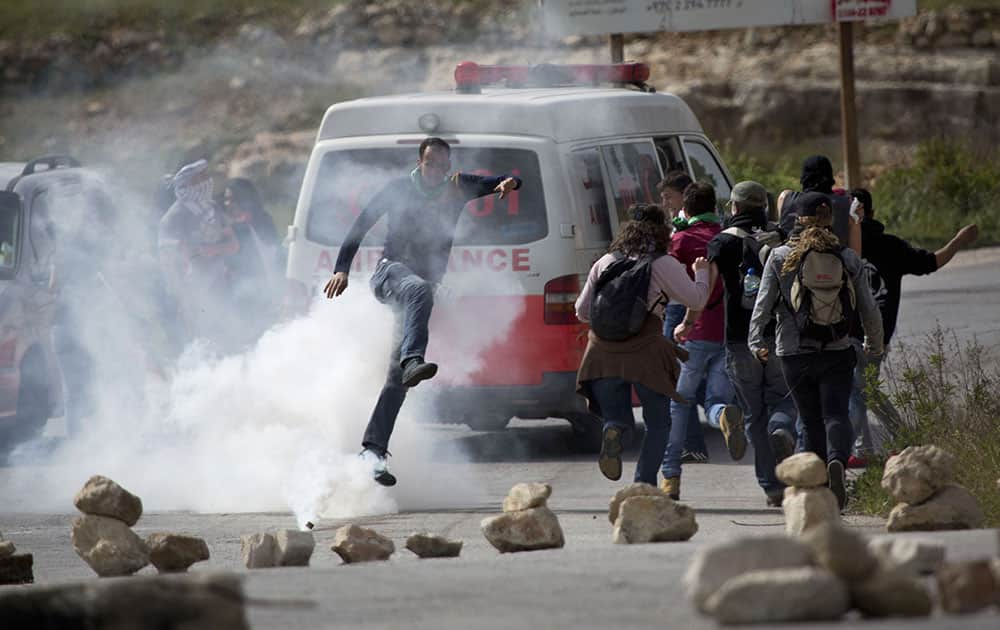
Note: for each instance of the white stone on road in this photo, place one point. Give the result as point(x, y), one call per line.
point(360, 544)
point(175, 553)
point(646, 519)
point(780, 595)
point(891, 594)
point(108, 545)
point(526, 495)
point(807, 507)
point(632, 490)
point(104, 497)
point(842, 551)
point(712, 566)
point(432, 546)
point(967, 587)
point(526, 530)
point(259, 551)
point(293, 548)
point(802, 470)
point(907, 555)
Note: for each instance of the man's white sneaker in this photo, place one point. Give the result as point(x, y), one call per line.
point(379, 467)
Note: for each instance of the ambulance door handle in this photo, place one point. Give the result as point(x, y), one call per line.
point(567, 230)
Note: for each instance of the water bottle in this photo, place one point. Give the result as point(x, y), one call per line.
point(751, 282)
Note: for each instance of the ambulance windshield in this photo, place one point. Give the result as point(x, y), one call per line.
point(348, 179)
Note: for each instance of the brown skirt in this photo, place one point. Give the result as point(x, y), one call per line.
point(649, 359)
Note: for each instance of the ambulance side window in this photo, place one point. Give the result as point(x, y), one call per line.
point(634, 172)
point(669, 152)
point(704, 167)
point(590, 182)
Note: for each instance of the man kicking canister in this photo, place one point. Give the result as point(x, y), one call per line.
point(423, 210)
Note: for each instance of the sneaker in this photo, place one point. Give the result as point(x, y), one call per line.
point(782, 444)
point(672, 486)
point(774, 499)
point(838, 482)
point(857, 461)
point(415, 370)
point(694, 457)
point(731, 423)
point(379, 466)
point(610, 459)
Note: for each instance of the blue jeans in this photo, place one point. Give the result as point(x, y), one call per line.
point(766, 403)
point(412, 299)
point(614, 396)
point(705, 367)
point(859, 406)
point(695, 440)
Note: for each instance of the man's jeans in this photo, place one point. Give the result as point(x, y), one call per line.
point(763, 396)
point(706, 366)
point(695, 440)
point(820, 383)
point(614, 395)
point(412, 299)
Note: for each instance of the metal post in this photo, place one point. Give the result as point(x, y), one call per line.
point(848, 110)
point(616, 41)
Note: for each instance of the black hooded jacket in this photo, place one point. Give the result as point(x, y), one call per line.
point(893, 258)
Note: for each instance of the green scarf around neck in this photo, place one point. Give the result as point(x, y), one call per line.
point(432, 192)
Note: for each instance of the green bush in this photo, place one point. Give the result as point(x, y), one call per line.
point(947, 394)
point(947, 185)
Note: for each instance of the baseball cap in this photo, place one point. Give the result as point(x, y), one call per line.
point(809, 202)
point(749, 193)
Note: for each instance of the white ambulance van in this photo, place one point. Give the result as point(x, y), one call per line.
point(584, 151)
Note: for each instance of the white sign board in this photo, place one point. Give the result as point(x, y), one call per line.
point(599, 17)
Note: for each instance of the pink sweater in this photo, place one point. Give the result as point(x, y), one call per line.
point(668, 276)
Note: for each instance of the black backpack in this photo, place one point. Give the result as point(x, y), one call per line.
point(757, 248)
point(619, 308)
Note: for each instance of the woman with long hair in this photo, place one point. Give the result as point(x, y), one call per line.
point(817, 357)
point(646, 361)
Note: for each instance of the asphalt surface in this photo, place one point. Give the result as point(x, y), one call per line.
point(590, 583)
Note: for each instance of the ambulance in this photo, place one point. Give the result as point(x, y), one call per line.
point(587, 141)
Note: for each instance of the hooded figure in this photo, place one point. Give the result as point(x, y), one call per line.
point(194, 244)
point(817, 177)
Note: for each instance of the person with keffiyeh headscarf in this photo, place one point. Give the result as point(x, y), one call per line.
point(194, 243)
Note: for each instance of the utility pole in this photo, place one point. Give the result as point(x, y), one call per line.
point(848, 108)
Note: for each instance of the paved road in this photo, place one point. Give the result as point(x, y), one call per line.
point(589, 583)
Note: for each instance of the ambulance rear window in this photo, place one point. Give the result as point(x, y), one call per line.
point(348, 179)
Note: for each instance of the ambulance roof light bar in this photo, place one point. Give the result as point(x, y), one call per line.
point(470, 76)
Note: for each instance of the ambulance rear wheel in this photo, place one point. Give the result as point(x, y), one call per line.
point(488, 421)
point(587, 432)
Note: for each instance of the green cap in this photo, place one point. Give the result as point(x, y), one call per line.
point(749, 193)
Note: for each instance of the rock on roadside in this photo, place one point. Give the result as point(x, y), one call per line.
point(713, 566)
point(359, 544)
point(967, 587)
point(891, 594)
point(108, 545)
point(917, 473)
point(646, 519)
point(841, 551)
point(431, 546)
point(952, 507)
point(780, 595)
point(527, 530)
point(16, 569)
point(174, 553)
point(104, 497)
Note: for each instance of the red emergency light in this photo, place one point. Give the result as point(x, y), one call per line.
point(470, 76)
